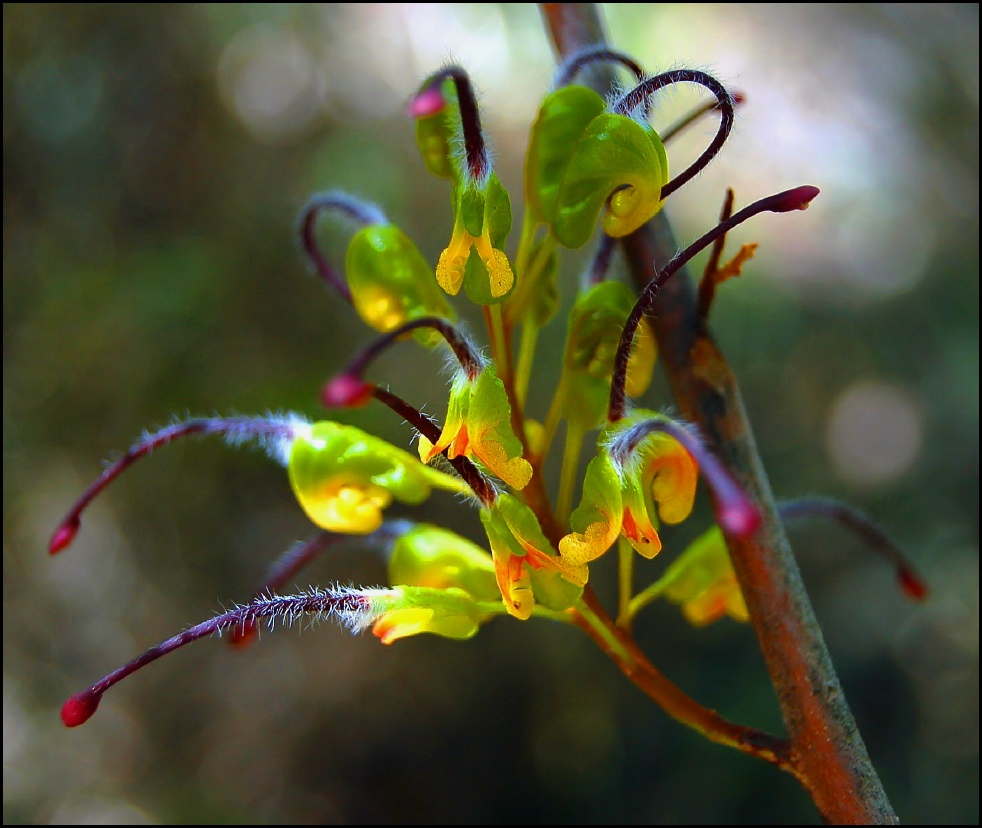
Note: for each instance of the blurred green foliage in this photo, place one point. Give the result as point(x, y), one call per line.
point(155, 157)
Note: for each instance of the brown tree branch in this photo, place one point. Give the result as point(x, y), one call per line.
point(827, 749)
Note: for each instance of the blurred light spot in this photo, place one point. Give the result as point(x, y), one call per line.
point(270, 81)
point(874, 433)
point(885, 251)
point(400, 44)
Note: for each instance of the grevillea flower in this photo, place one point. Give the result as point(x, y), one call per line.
point(525, 564)
point(342, 477)
point(386, 278)
point(447, 118)
point(392, 613)
point(478, 425)
point(628, 493)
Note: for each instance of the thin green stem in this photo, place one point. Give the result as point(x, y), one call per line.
point(526, 358)
point(529, 276)
point(525, 244)
point(539, 611)
point(500, 352)
point(601, 631)
point(551, 424)
point(567, 479)
point(649, 594)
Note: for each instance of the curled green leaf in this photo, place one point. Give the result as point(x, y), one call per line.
point(615, 160)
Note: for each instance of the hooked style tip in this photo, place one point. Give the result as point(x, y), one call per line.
point(80, 707)
point(346, 391)
point(64, 535)
point(797, 199)
point(911, 584)
point(428, 102)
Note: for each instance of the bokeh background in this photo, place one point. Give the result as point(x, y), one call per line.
point(154, 160)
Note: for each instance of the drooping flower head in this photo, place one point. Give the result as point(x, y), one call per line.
point(593, 167)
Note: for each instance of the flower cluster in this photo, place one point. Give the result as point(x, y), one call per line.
point(595, 170)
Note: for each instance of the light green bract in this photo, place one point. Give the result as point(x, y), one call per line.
point(390, 281)
point(563, 118)
point(582, 158)
point(703, 583)
point(430, 556)
point(344, 477)
point(592, 336)
point(449, 612)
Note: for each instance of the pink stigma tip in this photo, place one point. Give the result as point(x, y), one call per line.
point(428, 102)
point(740, 519)
point(346, 391)
point(911, 584)
point(79, 708)
point(63, 536)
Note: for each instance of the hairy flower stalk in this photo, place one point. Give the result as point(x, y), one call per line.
point(355, 609)
point(280, 571)
point(343, 389)
point(270, 432)
point(638, 97)
point(872, 534)
point(361, 213)
point(571, 67)
point(484, 490)
point(429, 100)
point(796, 199)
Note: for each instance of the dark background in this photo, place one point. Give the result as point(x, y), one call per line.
point(155, 158)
